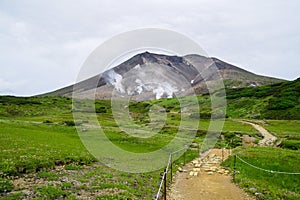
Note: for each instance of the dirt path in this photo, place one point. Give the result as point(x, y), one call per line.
point(205, 179)
point(268, 140)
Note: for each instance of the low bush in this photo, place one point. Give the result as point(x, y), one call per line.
point(70, 123)
point(291, 144)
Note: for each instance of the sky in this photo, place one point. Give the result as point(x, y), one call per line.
point(43, 44)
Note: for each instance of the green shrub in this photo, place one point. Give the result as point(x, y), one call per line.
point(101, 109)
point(281, 103)
point(47, 121)
point(291, 144)
point(205, 115)
point(69, 123)
point(232, 139)
point(201, 133)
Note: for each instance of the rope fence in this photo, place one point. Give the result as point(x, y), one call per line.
point(266, 170)
point(169, 168)
point(163, 182)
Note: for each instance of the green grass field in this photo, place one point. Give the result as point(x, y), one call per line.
point(38, 137)
point(31, 147)
point(284, 128)
point(267, 185)
point(38, 148)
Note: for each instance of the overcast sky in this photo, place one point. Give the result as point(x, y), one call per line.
point(44, 43)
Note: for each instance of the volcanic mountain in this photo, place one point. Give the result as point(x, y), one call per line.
point(148, 76)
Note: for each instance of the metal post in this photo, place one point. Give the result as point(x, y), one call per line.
point(234, 166)
point(165, 185)
point(184, 157)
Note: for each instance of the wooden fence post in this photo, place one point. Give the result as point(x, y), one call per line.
point(234, 166)
point(222, 154)
point(165, 185)
point(171, 167)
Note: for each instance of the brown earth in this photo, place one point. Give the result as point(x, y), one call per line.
point(204, 178)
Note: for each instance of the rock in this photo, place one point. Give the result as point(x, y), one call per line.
point(197, 165)
point(180, 169)
point(253, 190)
point(212, 155)
point(196, 169)
point(26, 192)
point(213, 169)
point(195, 162)
point(210, 173)
point(192, 173)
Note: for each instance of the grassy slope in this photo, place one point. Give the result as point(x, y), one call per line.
point(278, 101)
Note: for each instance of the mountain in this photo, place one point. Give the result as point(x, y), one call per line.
point(148, 76)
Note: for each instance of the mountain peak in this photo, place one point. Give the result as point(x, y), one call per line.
point(164, 76)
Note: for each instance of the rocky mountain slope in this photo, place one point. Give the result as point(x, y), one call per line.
point(153, 76)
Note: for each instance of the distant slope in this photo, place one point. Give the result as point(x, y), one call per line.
point(149, 76)
point(277, 101)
